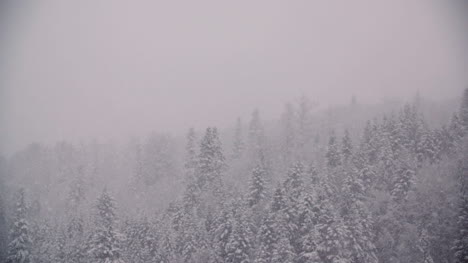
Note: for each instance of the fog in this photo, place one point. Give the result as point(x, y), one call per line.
point(233, 131)
point(111, 69)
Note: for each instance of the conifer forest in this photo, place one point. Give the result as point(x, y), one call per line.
point(246, 131)
point(392, 188)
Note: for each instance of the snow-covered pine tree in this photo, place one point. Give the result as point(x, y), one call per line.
point(106, 242)
point(358, 220)
point(283, 250)
point(403, 177)
point(308, 212)
point(239, 244)
point(190, 151)
point(238, 143)
point(461, 241)
point(456, 131)
point(140, 242)
point(257, 186)
point(278, 203)
point(211, 161)
point(222, 234)
point(3, 228)
point(266, 238)
point(294, 188)
point(19, 248)
point(347, 146)
point(332, 236)
point(464, 111)
point(333, 153)
point(256, 137)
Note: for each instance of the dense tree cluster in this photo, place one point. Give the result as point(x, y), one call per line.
point(394, 190)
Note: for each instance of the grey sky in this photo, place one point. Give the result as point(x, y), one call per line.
point(106, 69)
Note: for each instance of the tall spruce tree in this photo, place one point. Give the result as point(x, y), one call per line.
point(333, 154)
point(211, 161)
point(464, 111)
point(256, 137)
point(256, 186)
point(106, 242)
point(347, 146)
point(461, 241)
point(19, 248)
point(238, 144)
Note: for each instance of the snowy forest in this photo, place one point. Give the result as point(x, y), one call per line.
point(350, 184)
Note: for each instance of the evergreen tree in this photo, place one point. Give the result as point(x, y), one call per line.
point(267, 237)
point(158, 158)
point(19, 248)
point(347, 146)
point(464, 111)
point(239, 244)
point(106, 241)
point(211, 159)
point(256, 138)
point(238, 145)
point(140, 242)
point(3, 230)
point(256, 186)
point(222, 234)
point(461, 242)
point(403, 178)
point(190, 152)
point(278, 203)
point(294, 188)
point(456, 131)
point(333, 154)
point(461, 239)
point(283, 250)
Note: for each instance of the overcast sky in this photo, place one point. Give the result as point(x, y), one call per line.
point(107, 69)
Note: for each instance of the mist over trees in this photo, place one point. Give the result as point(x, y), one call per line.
point(310, 186)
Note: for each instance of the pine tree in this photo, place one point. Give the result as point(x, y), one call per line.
point(140, 242)
point(256, 138)
point(283, 250)
point(278, 203)
point(19, 248)
point(308, 212)
point(358, 221)
point(347, 146)
point(332, 236)
point(464, 111)
point(222, 234)
point(294, 188)
point(333, 154)
point(461, 242)
point(238, 145)
point(3, 230)
point(456, 131)
point(266, 238)
point(403, 178)
point(239, 244)
point(190, 152)
point(211, 159)
point(256, 186)
point(106, 241)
